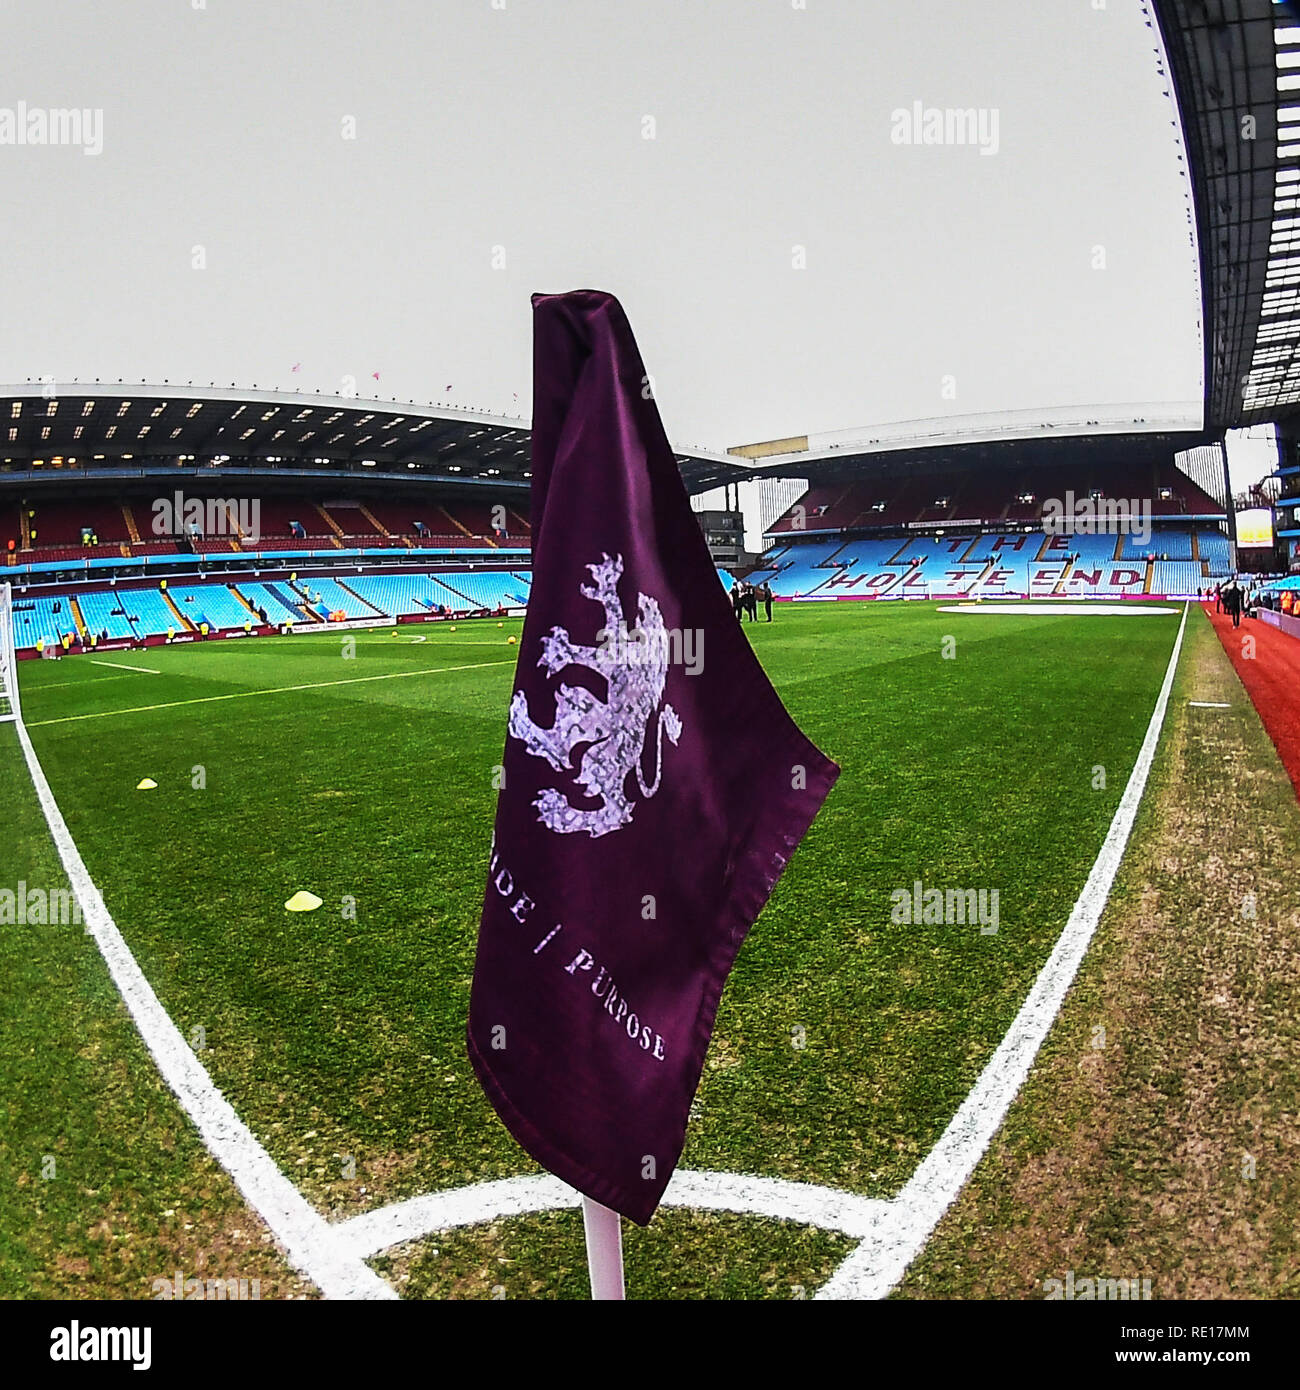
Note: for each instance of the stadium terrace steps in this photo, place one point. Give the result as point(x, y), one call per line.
point(243, 598)
point(463, 529)
point(441, 581)
point(181, 620)
point(328, 519)
point(132, 530)
point(380, 528)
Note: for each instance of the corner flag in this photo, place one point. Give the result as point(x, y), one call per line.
point(655, 787)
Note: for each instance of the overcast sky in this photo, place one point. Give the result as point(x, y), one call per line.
point(516, 131)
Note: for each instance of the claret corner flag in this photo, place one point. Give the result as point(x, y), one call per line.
point(654, 787)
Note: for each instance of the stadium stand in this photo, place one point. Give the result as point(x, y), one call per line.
point(329, 596)
point(280, 602)
point(398, 594)
point(497, 589)
point(105, 614)
point(1161, 545)
point(803, 570)
point(1216, 550)
point(213, 604)
point(1103, 578)
point(45, 620)
point(149, 613)
point(1177, 577)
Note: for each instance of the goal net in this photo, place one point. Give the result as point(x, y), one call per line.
point(8, 665)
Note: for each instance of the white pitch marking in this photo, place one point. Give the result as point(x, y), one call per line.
point(827, 1208)
point(84, 681)
point(1207, 704)
point(310, 1242)
point(273, 690)
point(1047, 610)
point(902, 1229)
point(121, 666)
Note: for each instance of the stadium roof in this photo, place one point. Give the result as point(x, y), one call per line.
point(1236, 72)
point(1136, 434)
point(103, 429)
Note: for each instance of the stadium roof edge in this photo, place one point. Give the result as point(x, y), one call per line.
point(185, 421)
point(1184, 419)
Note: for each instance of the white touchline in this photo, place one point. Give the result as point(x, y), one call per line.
point(273, 690)
point(307, 1237)
point(121, 666)
point(902, 1230)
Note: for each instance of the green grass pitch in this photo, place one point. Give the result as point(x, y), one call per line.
point(844, 1043)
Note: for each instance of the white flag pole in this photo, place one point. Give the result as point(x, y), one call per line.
point(604, 1250)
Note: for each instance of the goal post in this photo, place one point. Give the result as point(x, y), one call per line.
point(9, 710)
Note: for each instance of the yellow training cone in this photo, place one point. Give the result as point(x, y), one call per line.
point(303, 901)
point(147, 785)
point(511, 640)
point(501, 624)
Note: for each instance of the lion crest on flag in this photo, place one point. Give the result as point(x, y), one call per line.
point(634, 665)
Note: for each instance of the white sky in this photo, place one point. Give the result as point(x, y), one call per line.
point(522, 127)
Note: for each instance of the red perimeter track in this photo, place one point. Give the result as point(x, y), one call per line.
point(1272, 681)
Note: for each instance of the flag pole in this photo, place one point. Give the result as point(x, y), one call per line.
point(604, 1250)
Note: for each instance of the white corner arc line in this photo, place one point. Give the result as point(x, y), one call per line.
point(827, 1208)
point(901, 1231)
point(122, 666)
point(307, 1237)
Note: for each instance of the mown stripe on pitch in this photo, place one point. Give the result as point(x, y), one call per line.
point(273, 690)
